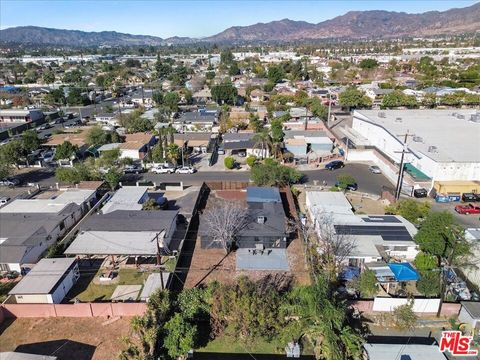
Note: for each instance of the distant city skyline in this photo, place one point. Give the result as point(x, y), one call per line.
point(190, 18)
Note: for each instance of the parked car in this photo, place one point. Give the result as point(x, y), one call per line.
point(10, 182)
point(59, 121)
point(467, 209)
point(242, 154)
point(185, 170)
point(4, 200)
point(420, 193)
point(374, 169)
point(133, 169)
point(221, 151)
point(162, 169)
point(351, 187)
point(469, 197)
point(336, 164)
point(44, 126)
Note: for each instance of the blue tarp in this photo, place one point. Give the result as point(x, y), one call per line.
point(404, 272)
point(349, 273)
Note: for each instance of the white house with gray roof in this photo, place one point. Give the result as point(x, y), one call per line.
point(47, 283)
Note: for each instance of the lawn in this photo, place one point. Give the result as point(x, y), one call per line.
point(85, 290)
point(227, 343)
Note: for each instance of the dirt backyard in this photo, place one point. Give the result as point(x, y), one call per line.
point(66, 338)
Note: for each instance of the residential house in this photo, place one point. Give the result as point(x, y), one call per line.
point(258, 96)
point(201, 120)
point(376, 237)
point(473, 274)
point(14, 115)
point(143, 97)
point(126, 234)
point(127, 198)
point(77, 137)
point(308, 144)
point(136, 145)
point(107, 118)
point(48, 282)
point(234, 143)
point(202, 96)
point(28, 227)
point(196, 142)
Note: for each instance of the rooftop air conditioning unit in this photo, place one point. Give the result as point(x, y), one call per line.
point(382, 115)
point(417, 139)
point(261, 219)
point(432, 149)
point(398, 119)
point(460, 116)
point(475, 118)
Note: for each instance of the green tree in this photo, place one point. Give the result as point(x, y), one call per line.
point(275, 73)
point(75, 97)
point(181, 336)
point(65, 150)
point(224, 93)
point(96, 136)
point(271, 173)
point(404, 317)
point(429, 283)
point(157, 98)
point(226, 57)
point(109, 158)
point(171, 100)
point(112, 178)
point(157, 153)
point(354, 98)
point(68, 175)
point(55, 97)
point(398, 98)
point(344, 180)
point(277, 130)
point(229, 162)
point(368, 64)
point(173, 153)
point(30, 141)
point(234, 69)
point(424, 261)
point(412, 210)
point(192, 304)
point(441, 236)
point(12, 153)
point(48, 77)
point(367, 284)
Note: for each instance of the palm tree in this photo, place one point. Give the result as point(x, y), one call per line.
point(173, 153)
point(323, 321)
point(264, 140)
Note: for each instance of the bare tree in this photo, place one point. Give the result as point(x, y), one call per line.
point(225, 219)
point(326, 249)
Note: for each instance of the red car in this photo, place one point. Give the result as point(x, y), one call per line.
point(467, 209)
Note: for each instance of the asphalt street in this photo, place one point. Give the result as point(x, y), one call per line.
point(367, 182)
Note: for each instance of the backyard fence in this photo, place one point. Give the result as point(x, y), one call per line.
point(107, 309)
point(420, 306)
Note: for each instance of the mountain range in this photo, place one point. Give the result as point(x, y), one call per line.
point(354, 25)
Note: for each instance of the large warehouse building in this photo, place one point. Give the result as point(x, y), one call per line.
point(442, 146)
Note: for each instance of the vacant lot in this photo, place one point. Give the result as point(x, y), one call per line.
point(66, 338)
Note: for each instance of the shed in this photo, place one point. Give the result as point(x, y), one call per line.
point(470, 314)
point(48, 282)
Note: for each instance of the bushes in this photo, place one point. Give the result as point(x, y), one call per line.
point(229, 162)
point(271, 173)
point(251, 160)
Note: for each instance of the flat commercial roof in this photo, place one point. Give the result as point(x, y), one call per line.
point(450, 131)
point(403, 351)
point(44, 277)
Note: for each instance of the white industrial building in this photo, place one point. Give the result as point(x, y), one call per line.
point(443, 144)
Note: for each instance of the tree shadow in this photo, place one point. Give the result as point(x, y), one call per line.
point(63, 349)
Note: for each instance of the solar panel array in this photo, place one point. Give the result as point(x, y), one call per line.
point(381, 219)
point(388, 233)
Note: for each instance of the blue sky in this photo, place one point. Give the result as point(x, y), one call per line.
point(190, 18)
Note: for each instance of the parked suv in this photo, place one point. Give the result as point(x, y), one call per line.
point(162, 169)
point(10, 182)
point(469, 197)
point(133, 169)
point(336, 164)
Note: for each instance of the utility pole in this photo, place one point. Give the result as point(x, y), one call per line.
point(329, 109)
point(398, 188)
